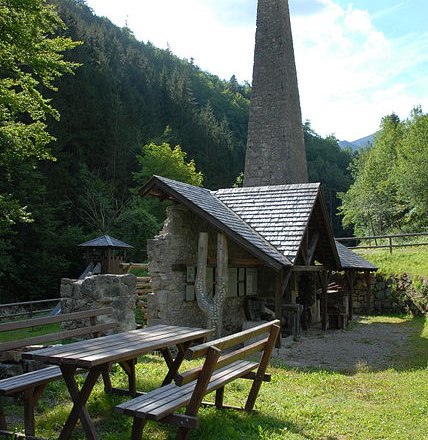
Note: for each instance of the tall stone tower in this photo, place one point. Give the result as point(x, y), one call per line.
point(275, 146)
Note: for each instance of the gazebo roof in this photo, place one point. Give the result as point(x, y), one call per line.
point(105, 241)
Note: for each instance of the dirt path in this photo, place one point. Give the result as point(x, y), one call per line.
point(365, 346)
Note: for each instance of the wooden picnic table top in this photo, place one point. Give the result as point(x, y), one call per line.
point(117, 347)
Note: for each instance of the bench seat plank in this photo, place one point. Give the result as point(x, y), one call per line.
point(15, 384)
point(163, 401)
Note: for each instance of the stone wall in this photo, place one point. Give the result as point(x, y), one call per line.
point(380, 293)
point(116, 291)
point(173, 248)
point(400, 293)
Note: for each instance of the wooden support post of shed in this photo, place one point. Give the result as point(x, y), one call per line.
point(279, 290)
point(324, 284)
point(349, 276)
point(282, 279)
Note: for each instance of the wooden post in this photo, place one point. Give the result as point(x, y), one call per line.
point(278, 294)
point(204, 302)
point(212, 307)
point(221, 282)
point(323, 302)
point(349, 276)
point(282, 279)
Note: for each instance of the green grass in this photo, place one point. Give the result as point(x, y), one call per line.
point(297, 404)
point(29, 333)
point(139, 272)
point(412, 260)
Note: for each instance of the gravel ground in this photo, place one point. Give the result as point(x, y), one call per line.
point(364, 346)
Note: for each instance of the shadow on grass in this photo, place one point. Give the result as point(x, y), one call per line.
point(238, 425)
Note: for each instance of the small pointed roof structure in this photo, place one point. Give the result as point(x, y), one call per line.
point(105, 241)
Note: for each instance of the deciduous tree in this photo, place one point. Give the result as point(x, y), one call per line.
point(31, 59)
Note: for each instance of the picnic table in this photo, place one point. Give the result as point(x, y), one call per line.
point(97, 355)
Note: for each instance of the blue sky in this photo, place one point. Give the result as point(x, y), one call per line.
point(357, 61)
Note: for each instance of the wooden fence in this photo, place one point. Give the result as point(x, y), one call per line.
point(384, 241)
point(27, 308)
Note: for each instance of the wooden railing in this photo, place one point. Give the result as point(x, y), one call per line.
point(31, 308)
point(384, 241)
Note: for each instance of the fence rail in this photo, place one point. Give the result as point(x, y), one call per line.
point(30, 306)
point(379, 239)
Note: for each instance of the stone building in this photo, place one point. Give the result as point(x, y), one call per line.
point(275, 145)
point(278, 237)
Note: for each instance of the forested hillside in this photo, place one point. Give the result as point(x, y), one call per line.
point(125, 96)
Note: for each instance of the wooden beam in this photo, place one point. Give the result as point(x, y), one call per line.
point(181, 266)
point(349, 277)
point(312, 246)
point(317, 268)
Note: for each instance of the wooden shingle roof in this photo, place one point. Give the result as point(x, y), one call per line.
point(351, 260)
point(279, 213)
point(205, 203)
point(274, 223)
point(105, 241)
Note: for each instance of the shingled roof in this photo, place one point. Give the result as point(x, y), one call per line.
point(105, 241)
point(279, 213)
point(351, 260)
point(271, 222)
point(205, 203)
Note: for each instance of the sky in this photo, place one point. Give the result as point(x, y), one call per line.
point(357, 61)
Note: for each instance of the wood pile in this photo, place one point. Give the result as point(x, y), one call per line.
point(144, 287)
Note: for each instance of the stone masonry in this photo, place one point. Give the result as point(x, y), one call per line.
point(116, 291)
point(275, 146)
point(178, 243)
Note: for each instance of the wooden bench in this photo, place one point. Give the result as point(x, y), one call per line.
point(31, 385)
point(225, 360)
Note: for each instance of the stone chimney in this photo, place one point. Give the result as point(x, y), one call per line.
point(275, 147)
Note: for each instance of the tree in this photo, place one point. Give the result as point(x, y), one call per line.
point(164, 161)
point(411, 169)
point(372, 204)
point(31, 59)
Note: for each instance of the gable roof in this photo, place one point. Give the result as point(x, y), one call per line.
point(205, 203)
point(106, 241)
point(280, 213)
point(351, 260)
point(271, 222)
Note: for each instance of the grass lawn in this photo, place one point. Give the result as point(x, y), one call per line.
point(29, 333)
point(413, 259)
point(296, 404)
